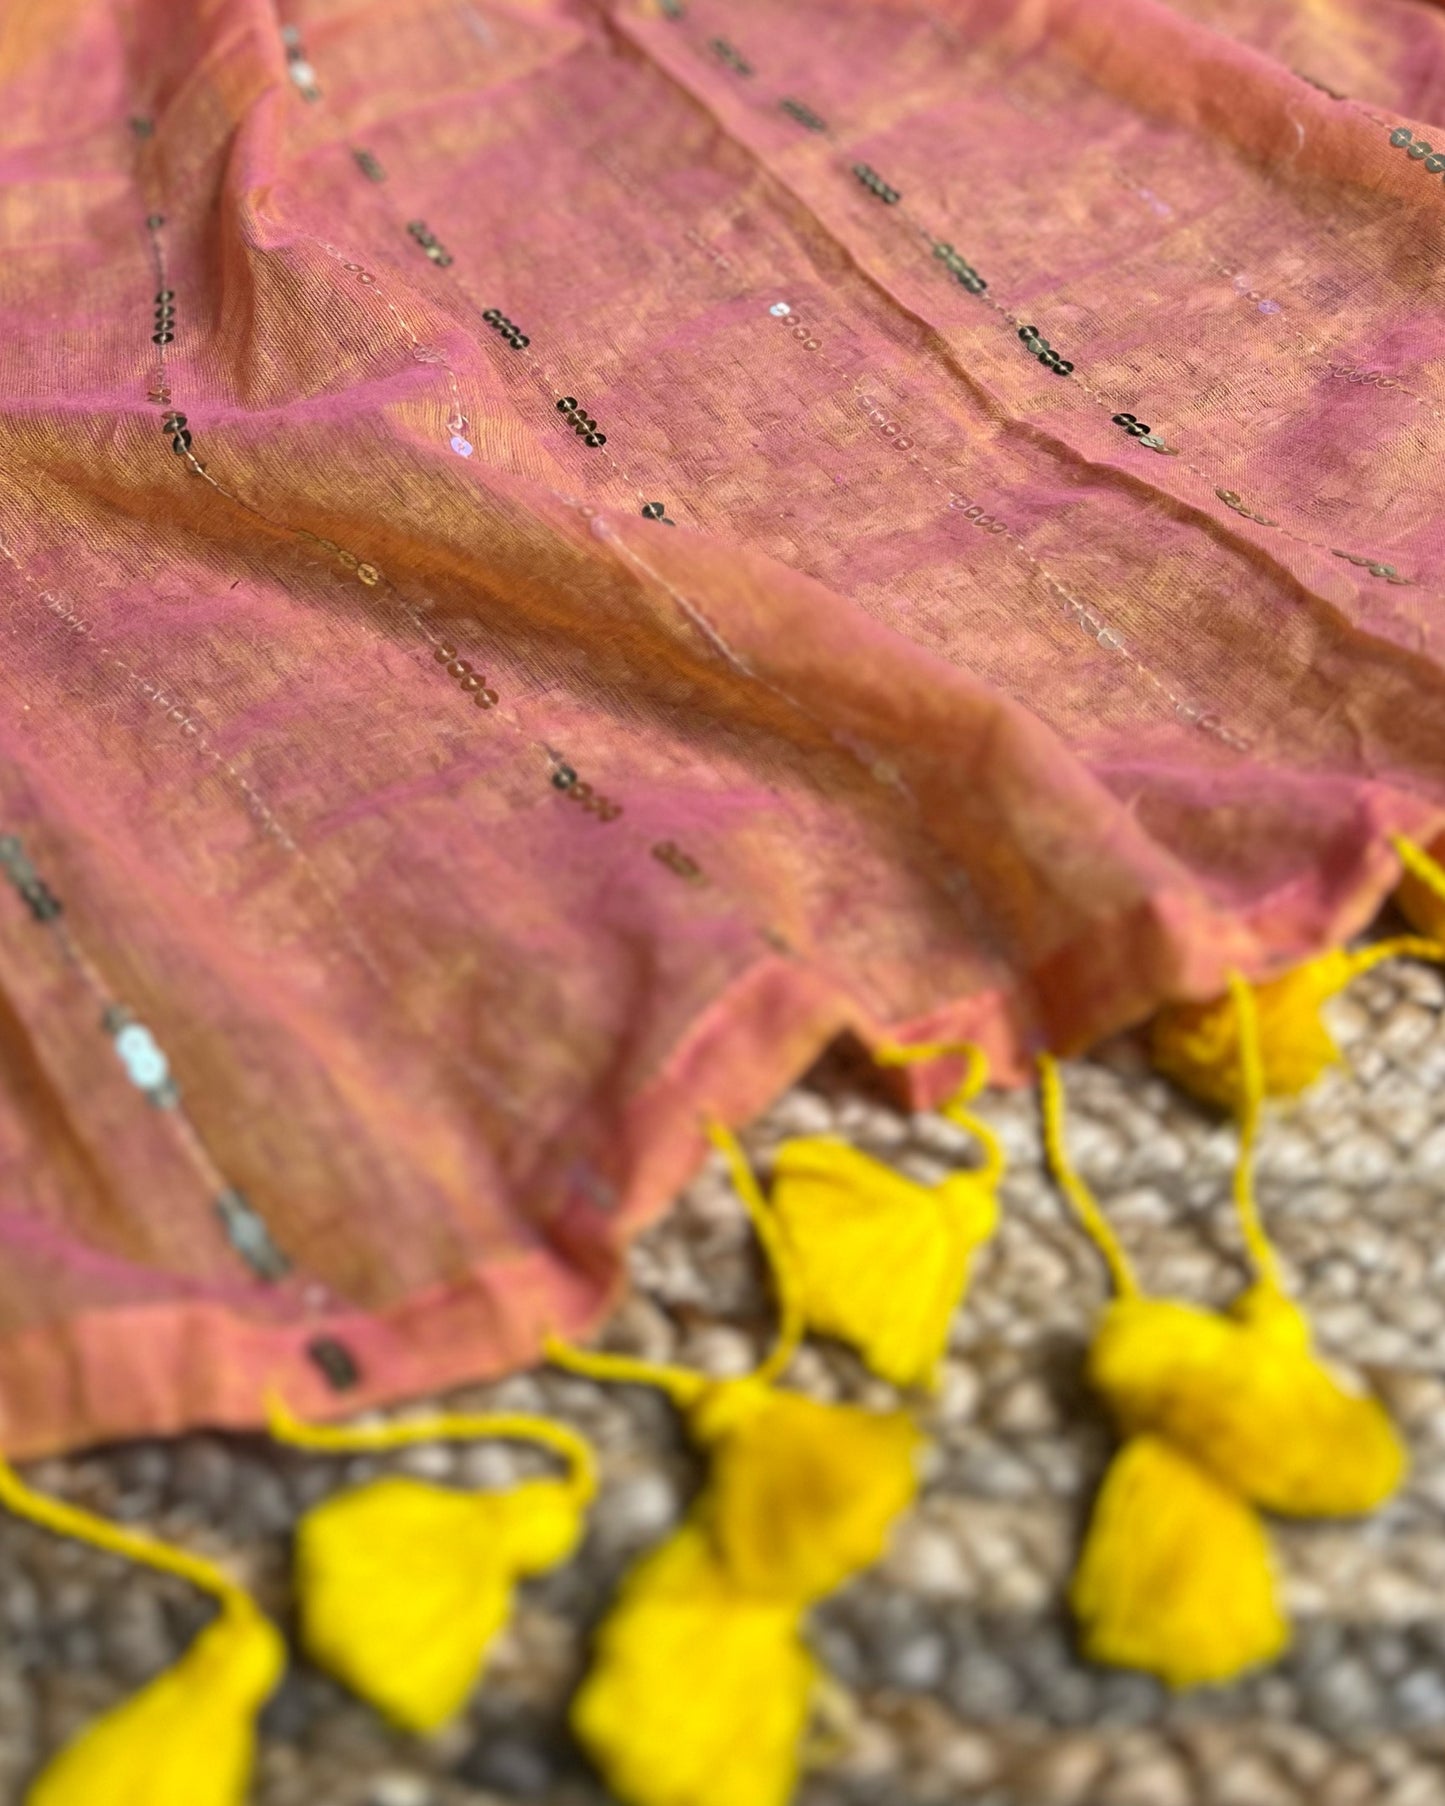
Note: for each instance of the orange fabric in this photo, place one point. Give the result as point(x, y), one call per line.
point(437, 831)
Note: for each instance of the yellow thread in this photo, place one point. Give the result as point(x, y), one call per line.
point(1086, 1208)
point(954, 1107)
point(682, 1386)
point(1420, 865)
point(1400, 946)
point(791, 1327)
point(575, 1450)
point(1251, 1102)
point(1420, 892)
point(100, 1533)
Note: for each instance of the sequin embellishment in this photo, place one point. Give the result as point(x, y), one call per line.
point(1419, 150)
point(335, 1361)
point(582, 423)
point(565, 779)
point(960, 268)
point(725, 53)
point(805, 116)
point(1044, 351)
point(672, 856)
point(429, 243)
point(1372, 565)
point(138, 1052)
point(469, 680)
point(249, 1236)
point(1231, 499)
point(875, 184)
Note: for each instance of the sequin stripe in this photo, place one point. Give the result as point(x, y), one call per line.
point(606, 809)
point(1375, 566)
point(881, 773)
point(964, 272)
point(162, 697)
point(435, 250)
point(1132, 182)
point(1074, 610)
point(145, 1065)
point(519, 341)
point(158, 694)
point(457, 422)
point(665, 851)
point(1079, 613)
point(945, 253)
point(1208, 720)
point(1010, 94)
point(297, 65)
point(1038, 347)
point(564, 778)
point(485, 1082)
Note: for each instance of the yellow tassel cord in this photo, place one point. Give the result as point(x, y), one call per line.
point(1222, 1414)
point(189, 1738)
point(1421, 891)
point(402, 1586)
point(701, 1689)
point(1198, 1044)
point(881, 1262)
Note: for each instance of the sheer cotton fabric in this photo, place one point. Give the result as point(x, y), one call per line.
point(465, 791)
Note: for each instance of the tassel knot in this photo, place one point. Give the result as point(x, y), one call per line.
point(873, 1258)
point(801, 1495)
point(1198, 1044)
point(403, 1586)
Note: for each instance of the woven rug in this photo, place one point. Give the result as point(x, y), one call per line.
point(955, 1655)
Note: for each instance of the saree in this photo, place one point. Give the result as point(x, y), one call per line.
point(558, 557)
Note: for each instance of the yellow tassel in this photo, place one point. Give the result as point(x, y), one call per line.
point(1198, 1044)
point(402, 1586)
point(1224, 1413)
point(801, 1495)
point(189, 1738)
point(701, 1687)
point(699, 1693)
point(1244, 1396)
point(881, 1262)
point(1175, 1575)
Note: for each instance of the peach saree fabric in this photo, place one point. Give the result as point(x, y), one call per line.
point(556, 556)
